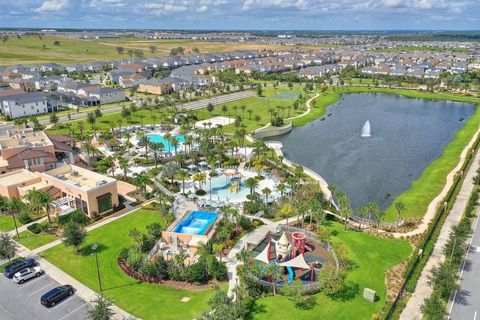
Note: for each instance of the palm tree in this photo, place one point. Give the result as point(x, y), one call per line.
point(44, 198)
point(266, 192)
point(7, 205)
point(141, 181)
point(110, 162)
point(143, 141)
point(182, 175)
point(123, 164)
point(281, 187)
point(286, 210)
point(400, 207)
point(274, 272)
point(362, 213)
point(252, 184)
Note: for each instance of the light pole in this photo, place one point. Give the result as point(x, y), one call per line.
point(94, 249)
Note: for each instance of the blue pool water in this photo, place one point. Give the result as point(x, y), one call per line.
point(158, 138)
point(197, 222)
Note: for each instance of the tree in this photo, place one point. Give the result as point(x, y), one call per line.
point(170, 169)
point(153, 49)
point(56, 43)
point(143, 141)
point(101, 309)
point(7, 247)
point(274, 272)
point(286, 210)
point(345, 208)
point(182, 175)
point(432, 307)
point(54, 119)
point(120, 50)
point(210, 107)
point(74, 235)
point(400, 207)
point(44, 199)
point(259, 91)
point(123, 164)
point(91, 119)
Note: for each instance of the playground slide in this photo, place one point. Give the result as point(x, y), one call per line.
point(308, 247)
point(290, 275)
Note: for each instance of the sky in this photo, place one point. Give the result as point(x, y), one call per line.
point(243, 14)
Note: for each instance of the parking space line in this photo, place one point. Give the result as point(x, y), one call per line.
point(3, 308)
point(30, 282)
point(61, 303)
point(31, 294)
point(67, 315)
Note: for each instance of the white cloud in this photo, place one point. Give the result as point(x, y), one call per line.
point(203, 8)
point(52, 5)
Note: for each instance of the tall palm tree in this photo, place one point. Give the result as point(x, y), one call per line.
point(182, 175)
point(5, 206)
point(266, 192)
point(44, 198)
point(400, 207)
point(281, 187)
point(252, 184)
point(110, 162)
point(123, 164)
point(143, 141)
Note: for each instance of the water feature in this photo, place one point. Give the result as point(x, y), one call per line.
point(366, 131)
point(197, 222)
point(409, 134)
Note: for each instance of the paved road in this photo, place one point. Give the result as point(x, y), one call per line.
point(22, 301)
point(194, 105)
point(466, 300)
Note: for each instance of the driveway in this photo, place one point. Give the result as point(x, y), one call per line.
point(22, 301)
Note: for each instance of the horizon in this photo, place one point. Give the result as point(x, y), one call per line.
point(244, 15)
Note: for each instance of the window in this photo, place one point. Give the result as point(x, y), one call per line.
point(104, 202)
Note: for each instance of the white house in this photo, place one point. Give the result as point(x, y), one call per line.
point(25, 105)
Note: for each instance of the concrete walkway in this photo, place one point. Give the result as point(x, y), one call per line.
point(423, 289)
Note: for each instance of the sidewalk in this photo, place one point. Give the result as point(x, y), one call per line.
point(423, 289)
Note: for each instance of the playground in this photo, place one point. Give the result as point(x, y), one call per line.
point(300, 257)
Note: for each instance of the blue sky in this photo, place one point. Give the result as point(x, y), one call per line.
point(244, 14)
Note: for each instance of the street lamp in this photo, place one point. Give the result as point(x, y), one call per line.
point(94, 249)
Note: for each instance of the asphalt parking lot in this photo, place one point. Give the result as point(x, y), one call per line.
point(22, 301)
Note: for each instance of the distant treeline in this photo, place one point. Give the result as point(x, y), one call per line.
point(438, 36)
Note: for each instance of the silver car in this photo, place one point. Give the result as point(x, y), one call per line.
point(26, 274)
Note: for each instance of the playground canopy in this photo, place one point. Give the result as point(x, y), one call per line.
point(263, 256)
point(297, 262)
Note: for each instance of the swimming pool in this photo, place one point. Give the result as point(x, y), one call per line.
point(197, 222)
point(157, 138)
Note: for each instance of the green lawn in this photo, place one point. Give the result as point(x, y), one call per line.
point(33, 241)
point(258, 105)
point(6, 223)
point(144, 300)
point(371, 258)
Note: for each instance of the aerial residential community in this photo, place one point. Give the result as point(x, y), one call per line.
point(239, 160)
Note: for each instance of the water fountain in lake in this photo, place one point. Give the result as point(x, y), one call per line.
point(366, 130)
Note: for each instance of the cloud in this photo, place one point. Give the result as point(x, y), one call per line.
point(52, 6)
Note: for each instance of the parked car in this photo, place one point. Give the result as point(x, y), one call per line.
point(26, 274)
point(56, 295)
point(16, 266)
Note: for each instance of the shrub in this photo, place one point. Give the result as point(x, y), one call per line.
point(200, 192)
point(135, 260)
point(277, 122)
point(245, 223)
point(197, 272)
point(218, 270)
point(35, 228)
point(76, 216)
point(24, 217)
point(251, 207)
point(155, 230)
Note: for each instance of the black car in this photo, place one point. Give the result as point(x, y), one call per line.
point(16, 266)
point(56, 295)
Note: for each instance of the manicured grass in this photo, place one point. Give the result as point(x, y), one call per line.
point(258, 105)
point(318, 108)
point(144, 300)
point(6, 223)
point(371, 257)
point(33, 241)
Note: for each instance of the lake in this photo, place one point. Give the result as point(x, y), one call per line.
point(407, 134)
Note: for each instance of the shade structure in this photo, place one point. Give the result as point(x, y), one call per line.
point(297, 262)
point(263, 256)
point(192, 196)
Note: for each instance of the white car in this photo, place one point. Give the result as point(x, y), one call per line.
point(26, 274)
